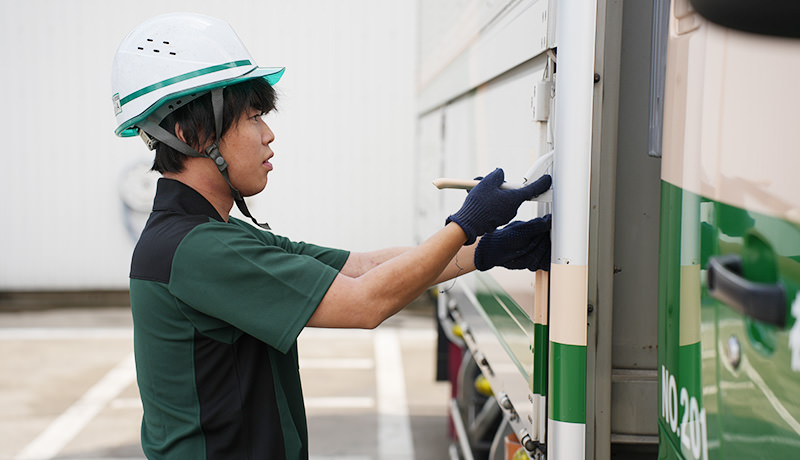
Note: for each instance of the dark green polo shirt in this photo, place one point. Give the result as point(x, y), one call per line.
point(217, 308)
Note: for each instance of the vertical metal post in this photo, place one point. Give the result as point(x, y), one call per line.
point(566, 427)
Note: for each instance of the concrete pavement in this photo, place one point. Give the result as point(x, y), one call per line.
point(68, 390)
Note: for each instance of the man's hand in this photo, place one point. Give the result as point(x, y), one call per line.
point(517, 246)
point(488, 207)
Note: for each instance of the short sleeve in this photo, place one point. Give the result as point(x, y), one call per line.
point(264, 285)
point(329, 256)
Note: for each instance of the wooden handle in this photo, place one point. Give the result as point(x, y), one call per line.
point(445, 182)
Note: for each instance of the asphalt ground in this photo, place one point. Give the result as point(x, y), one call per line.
point(68, 389)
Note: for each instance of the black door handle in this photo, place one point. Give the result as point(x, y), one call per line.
point(764, 302)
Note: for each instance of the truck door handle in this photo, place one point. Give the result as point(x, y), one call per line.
point(764, 302)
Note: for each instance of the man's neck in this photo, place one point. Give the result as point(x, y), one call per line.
point(207, 182)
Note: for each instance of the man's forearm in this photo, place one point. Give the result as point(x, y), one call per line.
point(365, 301)
point(360, 263)
point(462, 263)
point(408, 275)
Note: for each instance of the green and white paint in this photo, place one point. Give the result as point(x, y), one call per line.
point(727, 385)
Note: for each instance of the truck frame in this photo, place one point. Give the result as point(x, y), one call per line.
point(666, 325)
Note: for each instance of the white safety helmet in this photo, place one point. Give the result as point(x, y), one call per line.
point(170, 60)
point(172, 57)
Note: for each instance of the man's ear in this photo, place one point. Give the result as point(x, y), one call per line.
point(179, 132)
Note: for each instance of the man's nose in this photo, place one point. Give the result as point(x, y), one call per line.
point(268, 136)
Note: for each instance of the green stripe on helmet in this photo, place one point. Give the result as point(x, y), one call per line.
point(129, 129)
point(180, 78)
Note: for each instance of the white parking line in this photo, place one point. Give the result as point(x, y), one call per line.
point(394, 426)
point(336, 363)
point(335, 334)
point(337, 457)
point(339, 403)
point(126, 403)
point(65, 333)
point(64, 428)
point(102, 458)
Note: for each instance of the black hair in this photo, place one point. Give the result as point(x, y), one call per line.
point(196, 119)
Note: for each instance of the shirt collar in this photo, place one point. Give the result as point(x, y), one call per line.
point(175, 196)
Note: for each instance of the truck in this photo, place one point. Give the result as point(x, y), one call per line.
point(667, 325)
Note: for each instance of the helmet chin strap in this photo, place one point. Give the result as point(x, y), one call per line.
point(151, 129)
point(213, 153)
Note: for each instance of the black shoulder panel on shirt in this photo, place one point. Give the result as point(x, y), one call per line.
point(152, 257)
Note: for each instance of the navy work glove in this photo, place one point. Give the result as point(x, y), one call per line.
point(488, 207)
point(517, 246)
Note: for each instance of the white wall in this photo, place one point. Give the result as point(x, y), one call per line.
point(344, 146)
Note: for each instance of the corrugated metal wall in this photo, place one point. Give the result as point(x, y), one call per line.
point(344, 147)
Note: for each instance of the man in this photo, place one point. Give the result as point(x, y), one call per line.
point(217, 303)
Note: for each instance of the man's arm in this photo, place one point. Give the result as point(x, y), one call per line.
point(361, 262)
point(369, 290)
point(367, 300)
point(461, 264)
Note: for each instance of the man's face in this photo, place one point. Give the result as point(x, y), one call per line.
point(246, 149)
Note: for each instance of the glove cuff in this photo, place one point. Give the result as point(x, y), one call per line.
point(483, 251)
point(474, 219)
point(463, 223)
